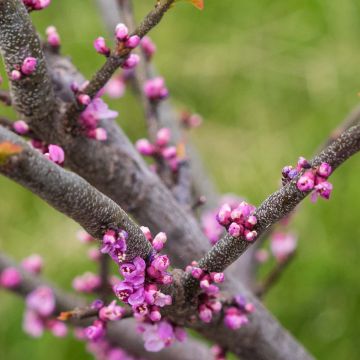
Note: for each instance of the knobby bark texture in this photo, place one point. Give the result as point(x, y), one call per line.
point(121, 333)
point(71, 195)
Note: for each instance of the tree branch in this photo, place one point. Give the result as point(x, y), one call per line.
point(5, 97)
point(280, 203)
point(71, 195)
point(32, 95)
point(121, 333)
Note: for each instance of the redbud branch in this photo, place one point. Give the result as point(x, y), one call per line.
point(280, 203)
point(116, 169)
point(5, 97)
point(117, 58)
point(32, 95)
point(274, 275)
point(121, 333)
point(71, 195)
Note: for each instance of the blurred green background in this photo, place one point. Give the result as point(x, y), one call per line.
point(271, 79)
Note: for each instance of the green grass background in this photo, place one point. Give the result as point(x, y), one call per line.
point(272, 79)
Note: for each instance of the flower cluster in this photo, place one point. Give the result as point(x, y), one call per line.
point(312, 179)
point(54, 153)
point(111, 312)
point(239, 221)
point(53, 37)
point(236, 315)
point(25, 69)
point(140, 285)
point(161, 149)
point(40, 305)
point(36, 4)
point(209, 301)
point(96, 110)
point(211, 227)
point(155, 89)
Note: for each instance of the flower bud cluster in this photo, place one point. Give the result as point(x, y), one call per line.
point(25, 69)
point(312, 179)
point(239, 222)
point(155, 89)
point(236, 316)
point(161, 149)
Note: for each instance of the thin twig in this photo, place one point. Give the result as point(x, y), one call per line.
point(5, 97)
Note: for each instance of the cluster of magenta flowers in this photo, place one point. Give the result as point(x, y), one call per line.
point(240, 221)
point(96, 110)
point(211, 227)
point(25, 69)
point(236, 315)
point(140, 287)
point(36, 4)
point(161, 149)
point(312, 179)
point(124, 40)
point(209, 299)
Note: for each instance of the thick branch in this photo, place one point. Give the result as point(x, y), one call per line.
point(280, 203)
point(71, 195)
point(121, 333)
point(32, 95)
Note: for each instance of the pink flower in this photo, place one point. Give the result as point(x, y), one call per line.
point(21, 127)
point(97, 110)
point(96, 331)
point(15, 75)
point(131, 62)
point(235, 319)
point(148, 47)
point(121, 32)
point(56, 154)
point(29, 65)
point(58, 328)
point(163, 136)
point(306, 181)
point(282, 245)
point(235, 230)
point(224, 214)
point(159, 241)
point(324, 170)
point(155, 89)
point(53, 37)
point(33, 264)
point(323, 189)
point(144, 147)
point(115, 88)
point(84, 99)
point(111, 312)
point(33, 324)
point(10, 278)
point(161, 263)
point(100, 46)
point(99, 134)
point(41, 300)
point(132, 42)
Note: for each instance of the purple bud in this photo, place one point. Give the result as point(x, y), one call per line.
point(132, 42)
point(21, 127)
point(100, 46)
point(292, 174)
point(121, 32)
point(303, 163)
point(29, 65)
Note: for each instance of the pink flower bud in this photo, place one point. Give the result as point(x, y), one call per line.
point(56, 154)
point(132, 42)
point(21, 127)
point(148, 47)
point(131, 62)
point(197, 273)
point(306, 182)
point(99, 134)
point(163, 136)
point(84, 99)
point(100, 46)
point(159, 241)
point(251, 235)
point(144, 147)
point(217, 277)
point(10, 278)
point(121, 32)
point(155, 315)
point(57, 328)
point(29, 65)
point(33, 264)
point(169, 153)
point(205, 314)
point(224, 214)
point(15, 75)
point(234, 229)
point(84, 237)
point(303, 163)
point(53, 38)
point(40, 4)
point(146, 232)
point(324, 170)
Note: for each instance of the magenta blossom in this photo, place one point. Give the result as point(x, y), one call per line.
point(21, 127)
point(10, 278)
point(53, 37)
point(41, 300)
point(29, 65)
point(33, 264)
point(111, 312)
point(55, 154)
point(155, 89)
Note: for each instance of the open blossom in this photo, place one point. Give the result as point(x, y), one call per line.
point(33, 264)
point(41, 300)
point(282, 245)
point(10, 278)
point(155, 89)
